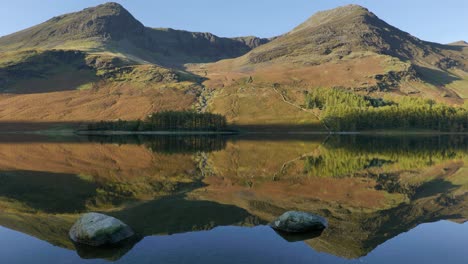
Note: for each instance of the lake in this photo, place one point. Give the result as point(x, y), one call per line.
point(209, 199)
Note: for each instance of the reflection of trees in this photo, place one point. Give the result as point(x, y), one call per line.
point(415, 145)
point(169, 144)
point(346, 156)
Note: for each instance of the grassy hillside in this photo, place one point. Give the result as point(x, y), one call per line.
point(66, 85)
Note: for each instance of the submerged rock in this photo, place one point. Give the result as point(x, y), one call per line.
point(299, 222)
point(95, 229)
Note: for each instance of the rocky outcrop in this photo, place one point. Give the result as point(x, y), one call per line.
point(251, 41)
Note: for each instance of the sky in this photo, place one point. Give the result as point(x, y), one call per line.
point(442, 21)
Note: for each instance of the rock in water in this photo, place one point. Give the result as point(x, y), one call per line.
point(97, 230)
point(299, 222)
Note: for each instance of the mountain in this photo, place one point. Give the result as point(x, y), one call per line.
point(336, 33)
point(103, 64)
point(110, 27)
point(347, 47)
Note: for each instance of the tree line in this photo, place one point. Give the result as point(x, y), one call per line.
point(342, 110)
point(167, 121)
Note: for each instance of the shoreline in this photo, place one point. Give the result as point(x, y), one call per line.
point(344, 133)
point(251, 132)
point(127, 133)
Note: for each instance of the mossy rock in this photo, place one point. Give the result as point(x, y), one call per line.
point(96, 230)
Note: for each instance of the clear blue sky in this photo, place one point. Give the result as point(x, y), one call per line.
point(433, 20)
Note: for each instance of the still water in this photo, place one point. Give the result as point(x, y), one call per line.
point(387, 199)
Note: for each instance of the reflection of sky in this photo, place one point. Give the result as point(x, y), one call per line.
point(442, 242)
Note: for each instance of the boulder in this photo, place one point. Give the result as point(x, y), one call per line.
point(299, 222)
point(95, 229)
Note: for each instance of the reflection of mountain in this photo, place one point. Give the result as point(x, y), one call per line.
point(47, 192)
point(370, 189)
point(176, 214)
point(47, 227)
point(378, 189)
point(117, 173)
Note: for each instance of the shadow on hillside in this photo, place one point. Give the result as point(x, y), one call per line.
point(435, 77)
point(48, 71)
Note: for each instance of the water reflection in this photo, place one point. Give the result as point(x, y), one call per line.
point(370, 188)
point(169, 144)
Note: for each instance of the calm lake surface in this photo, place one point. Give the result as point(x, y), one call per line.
point(195, 199)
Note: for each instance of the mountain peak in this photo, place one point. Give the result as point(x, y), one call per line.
point(110, 7)
point(349, 8)
point(112, 4)
point(109, 21)
point(459, 43)
point(340, 13)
